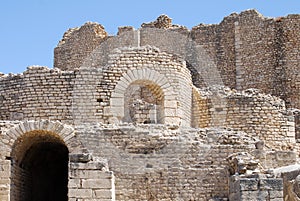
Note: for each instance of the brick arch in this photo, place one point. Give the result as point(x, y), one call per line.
point(29, 143)
point(57, 130)
point(144, 75)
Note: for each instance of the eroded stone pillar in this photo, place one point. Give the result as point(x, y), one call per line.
point(90, 179)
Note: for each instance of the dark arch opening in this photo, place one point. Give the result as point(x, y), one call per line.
point(47, 165)
point(40, 173)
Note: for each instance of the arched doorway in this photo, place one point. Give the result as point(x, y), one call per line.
point(39, 167)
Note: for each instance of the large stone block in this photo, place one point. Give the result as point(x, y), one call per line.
point(80, 193)
point(80, 158)
point(271, 184)
point(249, 184)
point(254, 195)
point(97, 183)
point(104, 194)
point(276, 194)
point(88, 174)
point(74, 183)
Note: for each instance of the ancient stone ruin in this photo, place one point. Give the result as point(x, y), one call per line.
point(158, 113)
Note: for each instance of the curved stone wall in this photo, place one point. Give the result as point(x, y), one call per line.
point(245, 50)
point(260, 115)
point(152, 102)
point(148, 65)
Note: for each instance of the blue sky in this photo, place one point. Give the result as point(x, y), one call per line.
point(30, 29)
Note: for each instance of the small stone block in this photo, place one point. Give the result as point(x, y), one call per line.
point(82, 157)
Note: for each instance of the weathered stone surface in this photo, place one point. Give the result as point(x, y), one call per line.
point(80, 193)
point(249, 184)
point(167, 113)
point(97, 183)
point(80, 158)
point(271, 183)
point(104, 194)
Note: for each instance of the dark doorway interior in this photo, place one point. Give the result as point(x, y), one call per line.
point(47, 166)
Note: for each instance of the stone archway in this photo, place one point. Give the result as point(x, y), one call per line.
point(32, 147)
point(37, 168)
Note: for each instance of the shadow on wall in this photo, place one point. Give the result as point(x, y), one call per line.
point(39, 168)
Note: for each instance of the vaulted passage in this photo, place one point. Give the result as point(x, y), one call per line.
point(47, 165)
point(42, 173)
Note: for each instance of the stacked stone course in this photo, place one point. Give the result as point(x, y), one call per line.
point(167, 165)
point(38, 93)
point(252, 112)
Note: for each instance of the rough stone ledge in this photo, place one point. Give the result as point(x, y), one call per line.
point(34, 70)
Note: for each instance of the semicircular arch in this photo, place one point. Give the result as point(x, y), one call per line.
point(139, 76)
point(54, 130)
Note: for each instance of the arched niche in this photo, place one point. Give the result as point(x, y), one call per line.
point(156, 84)
point(144, 103)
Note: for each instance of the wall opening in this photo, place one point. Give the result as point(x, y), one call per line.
point(39, 168)
point(144, 103)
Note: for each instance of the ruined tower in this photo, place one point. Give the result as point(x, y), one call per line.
point(158, 113)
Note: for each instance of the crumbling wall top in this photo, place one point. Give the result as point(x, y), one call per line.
point(89, 27)
point(226, 92)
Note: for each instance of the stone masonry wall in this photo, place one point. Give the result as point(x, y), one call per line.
point(5, 180)
point(157, 162)
point(77, 44)
point(290, 59)
point(200, 113)
point(38, 93)
point(257, 114)
point(147, 66)
point(252, 51)
point(218, 41)
point(4, 127)
point(297, 125)
point(20, 186)
point(82, 95)
point(256, 188)
point(89, 177)
point(5, 169)
point(247, 50)
point(183, 69)
point(257, 52)
point(90, 180)
point(255, 45)
point(262, 117)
